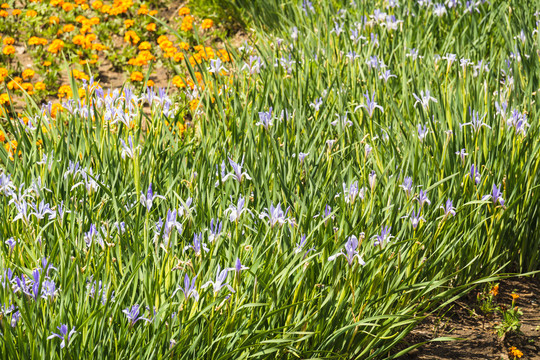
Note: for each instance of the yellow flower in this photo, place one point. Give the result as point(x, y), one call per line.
point(514, 296)
point(128, 23)
point(187, 23)
point(46, 63)
point(40, 86)
point(193, 104)
point(16, 12)
point(495, 290)
point(4, 13)
point(31, 13)
point(28, 74)
point(151, 27)
point(5, 6)
point(183, 11)
point(2, 135)
point(9, 41)
point(54, 20)
point(3, 72)
point(8, 50)
point(137, 76)
point(207, 24)
point(96, 5)
point(4, 99)
point(150, 83)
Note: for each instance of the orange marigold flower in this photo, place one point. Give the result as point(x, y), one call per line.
point(153, 12)
point(28, 87)
point(34, 40)
point(184, 46)
point(207, 24)
point(40, 86)
point(4, 13)
point(143, 10)
point(16, 12)
point(64, 91)
point(162, 38)
point(8, 50)
point(46, 63)
point(136, 76)
point(513, 351)
point(57, 2)
point(3, 72)
point(56, 107)
point(179, 57)
point(9, 41)
point(128, 23)
point(183, 11)
point(514, 296)
point(31, 13)
point(224, 55)
point(151, 27)
point(5, 6)
point(68, 6)
point(131, 37)
point(56, 46)
point(28, 74)
point(150, 83)
point(193, 104)
point(178, 82)
point(187, 23)
point(54, 20)
point(68, 28)
point(145, 45)
point(96, 5)
point(4, 99)
point(2, 135)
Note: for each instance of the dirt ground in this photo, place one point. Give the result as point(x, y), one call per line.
point(464, 319)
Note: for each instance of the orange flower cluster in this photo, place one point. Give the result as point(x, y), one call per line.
point(142, 58)
point(131, 37)
point(187, 23)
point(56, 46)
point(34, 40)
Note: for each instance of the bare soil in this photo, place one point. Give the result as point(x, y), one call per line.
point(464, 320)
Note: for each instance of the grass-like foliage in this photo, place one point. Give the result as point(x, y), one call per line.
point(352, 168)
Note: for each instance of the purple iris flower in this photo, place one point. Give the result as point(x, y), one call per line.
point(48, 289)
point(189, 289)
point(424, 99)
point(133, 315)
point(448, 208)
point(462, 155)
point(342, 120)
point(476, 121)
point(351, 252)
point(386, 75)
point(370, 105)
point(317, 104)
point(495, 196)
point(237, 173)
point(64, 334)
point(422, 132)
point(351, 192)
point(265, 119)
point(215, 229)
point(384, 237)
point(300, 246)
point(219, 283)
point(275, 215)
point(407, 185)
point(423, 199)
point(238, 267)
point(474, 174)
point(197, 245)
point(11, 242)
point(147, 199)
point(235, 212)
point(416, 219)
